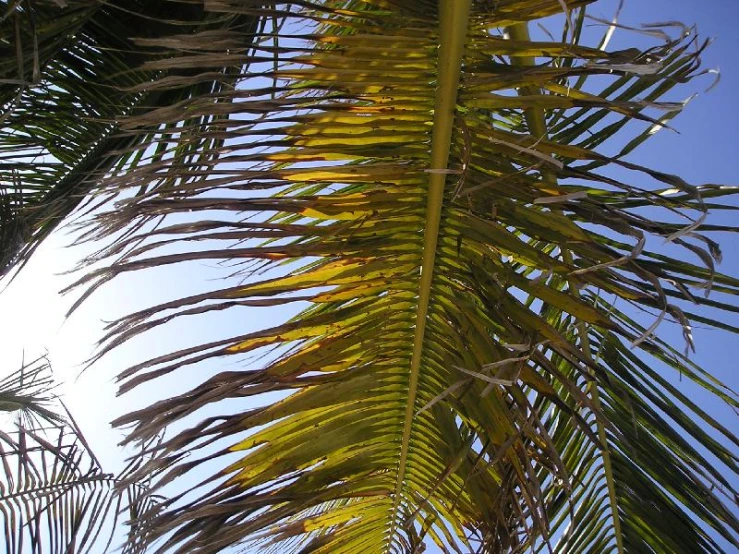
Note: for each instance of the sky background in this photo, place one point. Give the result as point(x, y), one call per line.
point(33, 321)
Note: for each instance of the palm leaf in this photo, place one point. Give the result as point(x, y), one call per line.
point(70, 71)
point(54, 495)
point(27, 393)
point(474, 367)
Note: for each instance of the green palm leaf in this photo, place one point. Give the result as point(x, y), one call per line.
point(471, 369)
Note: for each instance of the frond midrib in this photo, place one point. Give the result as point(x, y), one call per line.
point(453, 20)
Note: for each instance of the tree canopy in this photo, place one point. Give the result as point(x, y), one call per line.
point(480, 364)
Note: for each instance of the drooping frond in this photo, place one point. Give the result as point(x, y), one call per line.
point(54, 496)
point(69, 72)
point(474, 368)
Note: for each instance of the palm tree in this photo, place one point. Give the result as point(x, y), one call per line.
point(479, 365)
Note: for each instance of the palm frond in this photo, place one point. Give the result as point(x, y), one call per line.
point(28, 393)
point(70, 72)
point(54, 495)
point(474, 367)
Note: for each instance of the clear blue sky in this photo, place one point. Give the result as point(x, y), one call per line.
point(707, 148)
point(706, 151)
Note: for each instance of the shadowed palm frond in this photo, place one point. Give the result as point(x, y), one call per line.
point(70, 71)
point(27, 393)
point(476, 367)
point(54, 496)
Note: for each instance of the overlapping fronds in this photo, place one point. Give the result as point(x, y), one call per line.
point(474, 368)
point(69, 71)
point(27, 393)
point(54, 495)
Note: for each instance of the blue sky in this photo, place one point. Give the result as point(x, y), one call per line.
point(705, 151)
point(706, 148)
